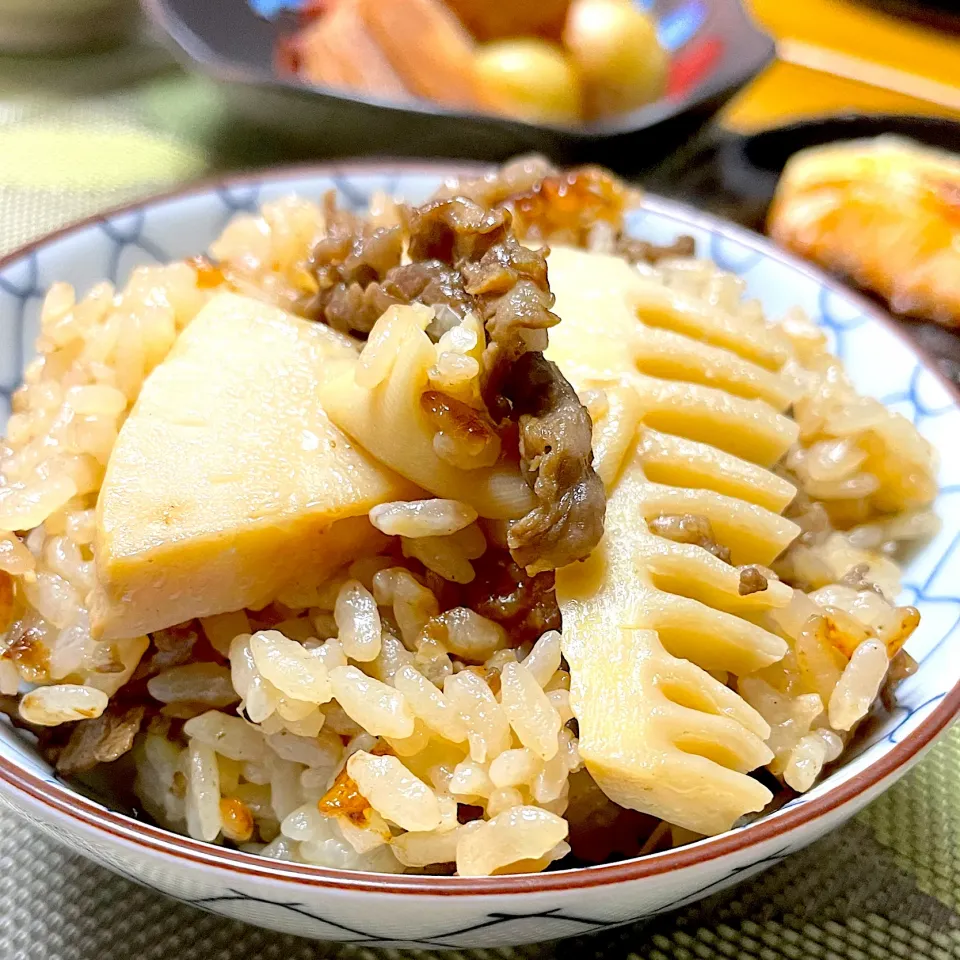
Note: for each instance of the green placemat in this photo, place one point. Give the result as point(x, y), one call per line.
point(82, 134)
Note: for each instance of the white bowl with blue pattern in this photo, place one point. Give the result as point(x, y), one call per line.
point(436, 912)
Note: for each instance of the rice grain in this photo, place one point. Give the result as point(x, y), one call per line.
point(374, 706)
point(62, 703)
point(394, 792)
point(521, 833)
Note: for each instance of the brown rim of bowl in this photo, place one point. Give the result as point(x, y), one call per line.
point(160, 841)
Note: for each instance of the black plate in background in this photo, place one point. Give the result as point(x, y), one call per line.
point(735, 176)
point(226, 40)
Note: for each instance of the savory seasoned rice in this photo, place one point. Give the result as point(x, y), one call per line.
point(413, 710)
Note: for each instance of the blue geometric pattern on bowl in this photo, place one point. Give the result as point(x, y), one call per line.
point(880, 362)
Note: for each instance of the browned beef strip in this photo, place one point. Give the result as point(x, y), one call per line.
point(524, 604)
point(465, 258)
point(642, 251)
point(556, 453)
point(565, 206)
point(101, 740)
point(345, 262)
point(550, 205)
point(169, 647)
point(517, 326)
point(753, 579)
point(689, 528)
point(496, 186)
point(455, 230)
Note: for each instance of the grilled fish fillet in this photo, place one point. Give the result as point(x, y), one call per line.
point(884, 212)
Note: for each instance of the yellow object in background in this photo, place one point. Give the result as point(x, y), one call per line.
point(529, 78)
point(610, 62)
point(619, 56)
point(841, 56)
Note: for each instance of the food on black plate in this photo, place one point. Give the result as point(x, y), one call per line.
point(885, 213)
point(553, 62)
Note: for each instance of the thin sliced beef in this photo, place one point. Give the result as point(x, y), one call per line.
point(549, 205)
point(524, 604)
point(642, 251)
point(465, 258)
point(689, 528)
point(494, 188)
point(101, 740)
point(455, 230)
point(351, 256)
point(556, 453)
point(512, 296)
